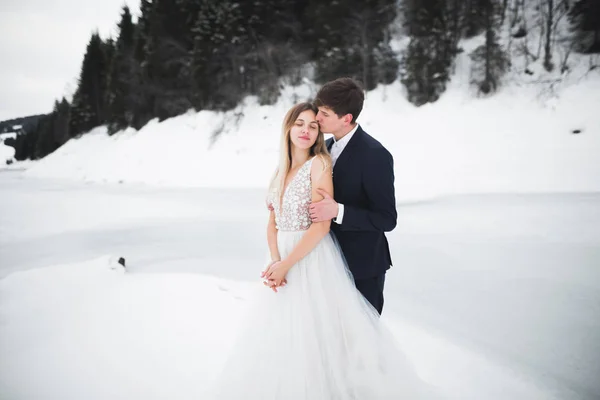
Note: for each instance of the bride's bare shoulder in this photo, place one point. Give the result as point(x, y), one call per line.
point(321, 163)
point(321, 167)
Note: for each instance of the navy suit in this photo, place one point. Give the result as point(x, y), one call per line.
point(363, 181)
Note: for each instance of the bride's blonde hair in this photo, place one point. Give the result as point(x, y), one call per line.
point(285, 153)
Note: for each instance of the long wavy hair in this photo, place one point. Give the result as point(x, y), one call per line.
point(285, 153)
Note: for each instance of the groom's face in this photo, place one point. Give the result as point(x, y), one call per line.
point(329, 122)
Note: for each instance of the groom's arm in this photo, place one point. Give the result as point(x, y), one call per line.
point(378, 183)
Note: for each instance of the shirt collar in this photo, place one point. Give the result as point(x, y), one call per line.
point(346, 138)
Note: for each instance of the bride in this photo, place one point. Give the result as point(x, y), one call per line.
point(313, 336)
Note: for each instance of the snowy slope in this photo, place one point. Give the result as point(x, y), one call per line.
point(520, 139)
point(511, 142)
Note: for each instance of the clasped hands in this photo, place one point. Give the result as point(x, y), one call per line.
point(275, 273)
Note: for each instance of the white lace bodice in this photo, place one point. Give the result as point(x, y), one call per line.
point(292, 213)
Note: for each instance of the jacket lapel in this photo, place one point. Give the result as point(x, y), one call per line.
point(349, 150)
point(329, 144)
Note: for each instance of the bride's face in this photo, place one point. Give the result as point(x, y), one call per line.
point(305, 130)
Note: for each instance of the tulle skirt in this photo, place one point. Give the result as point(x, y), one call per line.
point(316, 339)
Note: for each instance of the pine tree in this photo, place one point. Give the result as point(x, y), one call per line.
point(62, 111)
point(490, 61)
point(89, 101)
point(161, 49)
point(25, 144)
point(585, 19)
point(142, 33)
point(50, 132)
point(428, 60)
point(386, 64)
point(457, 21)
point(216, 66)
point(548, 65)
point(124, 76)
point(44, 137)
point(271, 47)
point(142, 93)
point(474, 17)
point(350, 39)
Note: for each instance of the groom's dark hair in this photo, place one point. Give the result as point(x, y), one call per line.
point(343, 96)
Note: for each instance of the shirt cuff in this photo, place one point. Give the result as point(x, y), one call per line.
point(340, 216)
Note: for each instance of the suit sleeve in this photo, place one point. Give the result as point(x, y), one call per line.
point(378, 183)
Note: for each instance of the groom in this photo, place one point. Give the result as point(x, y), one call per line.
point(363, 181)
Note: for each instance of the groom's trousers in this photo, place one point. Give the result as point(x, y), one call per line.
point(372, 290)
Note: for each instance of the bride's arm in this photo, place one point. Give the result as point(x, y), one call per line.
point(272, 237)
point(321, 178)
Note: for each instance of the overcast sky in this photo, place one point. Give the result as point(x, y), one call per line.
point(42, 43)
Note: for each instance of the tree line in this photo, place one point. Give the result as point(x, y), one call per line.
point(210, 54)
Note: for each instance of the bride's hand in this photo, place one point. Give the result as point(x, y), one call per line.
point(272, 286)
point(269, 282)
point(264, 273)
point(277, 272)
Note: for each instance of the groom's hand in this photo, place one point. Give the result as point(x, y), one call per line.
point(324, 210)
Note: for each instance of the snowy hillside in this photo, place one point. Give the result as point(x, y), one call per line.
point(514, 141)
point(539, 133)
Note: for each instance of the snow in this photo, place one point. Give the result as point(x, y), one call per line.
point(495, 289)
point(161, 329)
point(8, 135)
point(491, 296)
point(511, 142)
point(6, 153)
point(519, 140)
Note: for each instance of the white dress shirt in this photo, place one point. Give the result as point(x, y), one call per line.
point(336, 149)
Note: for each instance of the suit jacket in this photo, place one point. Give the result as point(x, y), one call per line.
point(363, 181)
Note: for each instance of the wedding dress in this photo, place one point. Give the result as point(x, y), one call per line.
point(317, 338)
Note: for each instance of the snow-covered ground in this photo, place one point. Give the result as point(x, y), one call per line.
point(491, 296)
point(7, 153)
point(495, 292)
